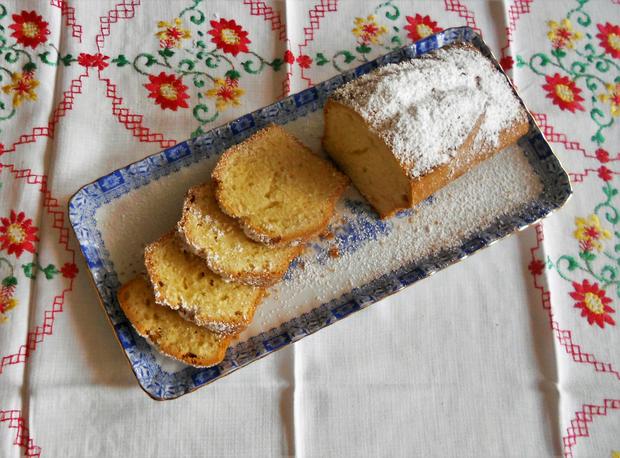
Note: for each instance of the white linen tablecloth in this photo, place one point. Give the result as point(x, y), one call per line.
point(513, 352)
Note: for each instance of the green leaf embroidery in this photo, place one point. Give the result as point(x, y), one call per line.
point(558, 52)
point(396, 39)
point(66, 60)
point(348, 57)
point(520, 61)
point(150, 60)
point(276, 64)
point(247, 66)
point(320, 59)
point(188, 64)
point(9, 281)
point(598, 138)
point(29, 67)
point(120, 61)
point(233, 74)
point(363, 49)
point(211, 62)
point(587, 256)
point(166, 52)
point(50, 271)
point(572, 263)
point(29, 270)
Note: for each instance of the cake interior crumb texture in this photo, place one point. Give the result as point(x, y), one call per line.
point(279, 190)
point(165, 329)
point(218, 239)
point(183, 281)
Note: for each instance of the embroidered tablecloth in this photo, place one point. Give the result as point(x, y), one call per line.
point(515, 351)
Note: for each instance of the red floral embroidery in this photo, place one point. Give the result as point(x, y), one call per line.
point(168, 91)
point(289, 58)
point(536, 267)
point(593, 302)
point(604, 173)
point(304, 61)
point(29, 29)
point(563, 92)
point(609, 37)
point(69, 270)
point(93, 60)
point(229, 36)
point(507, 62)
point(420, 27)
point(17, 234)
point(602, 155)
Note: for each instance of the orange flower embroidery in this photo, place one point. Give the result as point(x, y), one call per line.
point(367, 30)
point(172, 34)
point(226, 93)
point(22, 87)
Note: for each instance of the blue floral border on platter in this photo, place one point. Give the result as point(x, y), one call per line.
point(160, 384)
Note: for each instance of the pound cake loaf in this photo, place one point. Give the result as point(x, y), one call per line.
point(171, 334)
point(279, 191)
point(219, 240)
point(182, 281)
point(405, 130)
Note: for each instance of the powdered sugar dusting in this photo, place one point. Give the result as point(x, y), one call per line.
point(497, 187)
point(425, 108)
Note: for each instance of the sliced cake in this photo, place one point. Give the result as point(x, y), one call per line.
point(405, 130)
point(182, 281)
point(219, 240)
point(164, 328)
point(278, 190)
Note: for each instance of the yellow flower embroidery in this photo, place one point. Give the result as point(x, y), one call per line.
point(5, 307)
point(615, 454)
point(589, 233)
point(226, 93)
point(22, 87)
point(561, 34)
point(613, 97)
point(172, 34)
point(368, 30)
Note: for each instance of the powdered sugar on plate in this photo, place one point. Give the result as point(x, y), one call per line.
point(369, 247)
point(425, 108)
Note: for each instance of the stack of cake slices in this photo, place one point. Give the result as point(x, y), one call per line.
point(237, 236)
point(400, 133)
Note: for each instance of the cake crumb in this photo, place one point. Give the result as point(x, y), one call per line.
point(326, 235)
point(334, 252)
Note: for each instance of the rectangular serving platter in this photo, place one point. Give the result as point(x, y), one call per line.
point(115, 216)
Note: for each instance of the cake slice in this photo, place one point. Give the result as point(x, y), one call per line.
point(219, 240)
point(182, 281)
point(166, 330)
point(406, 130)
point(278, 190)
